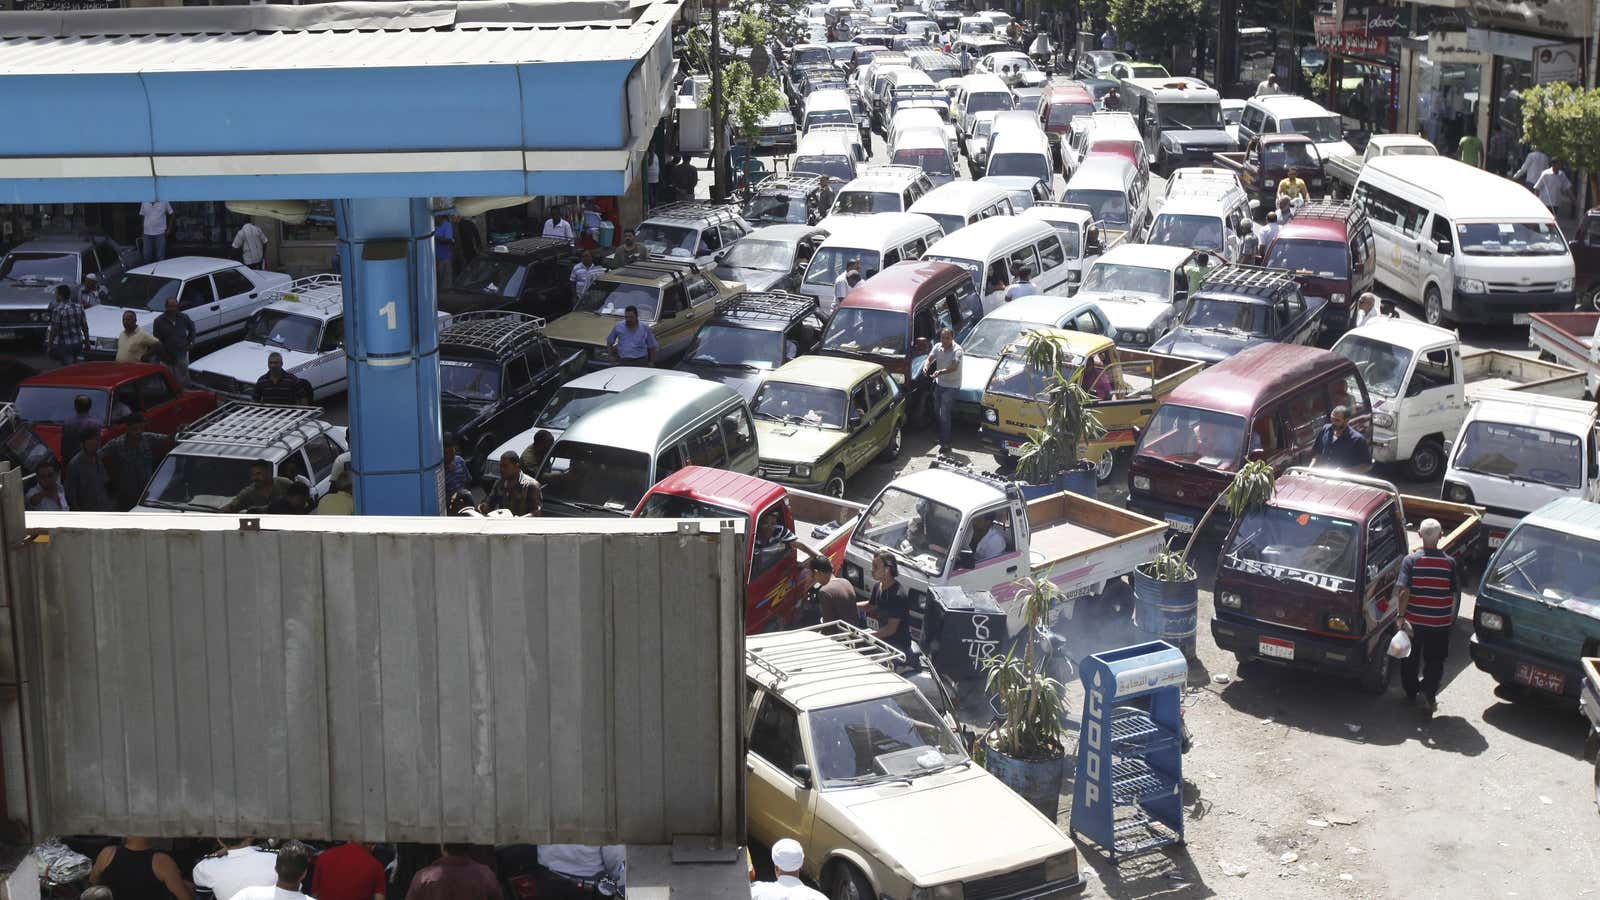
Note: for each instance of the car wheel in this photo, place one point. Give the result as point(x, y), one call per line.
point(1375, 677)
point(849, 884)
point(1104, 466)
point(1426, 460)
point(1433, 307)
point(834, 486)
point(1590, 301)
point(892, 451)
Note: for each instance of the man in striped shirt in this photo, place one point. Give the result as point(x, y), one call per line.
point(1429, 594)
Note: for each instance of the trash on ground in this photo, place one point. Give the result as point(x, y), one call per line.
point(1237, 870)
point(1289, 857)
point(1317, 823)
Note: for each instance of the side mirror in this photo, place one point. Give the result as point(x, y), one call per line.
point(966, 559)
point(856, 419)
point(802, 774)
point(1372, 571)
point(1444, 247)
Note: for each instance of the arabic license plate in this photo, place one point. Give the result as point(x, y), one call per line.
point(1178, 522)
point(872, 624)
point(1496, 538)
point(1012, 446)
point(1539, 677)
point(1275, 648)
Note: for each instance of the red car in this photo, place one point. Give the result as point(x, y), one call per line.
point(114, 390)
point(1328, 246)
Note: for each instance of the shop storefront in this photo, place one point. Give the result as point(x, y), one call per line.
point(198, 229)
point(1363, 68)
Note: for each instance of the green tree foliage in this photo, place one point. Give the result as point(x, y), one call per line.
point(1156, 26)
point(1564, 122)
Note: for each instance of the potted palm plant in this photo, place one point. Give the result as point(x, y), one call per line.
point(1026, 746)
point(1166, 590)
point(1052, 459)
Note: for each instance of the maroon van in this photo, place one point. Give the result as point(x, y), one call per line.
point(1328, 247)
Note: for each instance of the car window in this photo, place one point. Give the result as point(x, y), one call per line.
point(1050, 252)
point(1383, 538)
point(106, 254)
point(1086, 323)
point(321, 452)
point(859, 405)
point(1024, 256)
point(332, 335)
point(670, 460)
point(1346, 392)
point(737, 432)
point(196, 292)
point(914, 249)
point(516, 374)
point(1266, 435)
point(1441, 232)
point(705, 446)
point(700, 289)
point(710, 241)
point(775, 735)
point(877, 390)
point(154, 391)
point(1303, 415)
point(926, 326)
point(1433, 370)
point(969, 305)
point(1293, 306)
point(232, 283)
point(673, 300)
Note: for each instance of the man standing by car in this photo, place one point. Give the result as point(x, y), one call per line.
point(842, 284)
point(86, 475)
point(175, 330)
point(556, 226)
point(67, 335)
point(629, 251)
point(944, 367)
point(133, 342)
point(584, 272)
point(1022, 287)
point(1340, 446)
point(280, 387)
point(251, 242)
point(47, 493)
point(1554, 188)
point(155, 215)
point(74, 427)
point(516, 491)
point(630, 343)
point(787, 858)
point(264, 490)
point(1427, 594)
point(91, 294)
point(835, 596)
point(130, 458)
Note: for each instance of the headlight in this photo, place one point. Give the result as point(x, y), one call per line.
point(1338, 299)
point(1141, 337)
point(1141, 482)
point(1491, 621)
point(1383, 420)
point(1125, 336)
point(1230, 599)
point(1563, 285)
point(852, 574)
point(43, 315)
point(1470, 286)
point(942, 892)
point(1338, 623)
point(990, 416)
point(899, 378)
point(801, 470)
point(1270, 183)
point(1077, 276)
point(1061, 867)
point(1457, 493)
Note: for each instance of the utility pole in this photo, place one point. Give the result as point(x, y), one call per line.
point(1227, 44)
point(719, 187)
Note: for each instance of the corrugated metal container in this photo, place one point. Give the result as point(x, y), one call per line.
point(384, 679)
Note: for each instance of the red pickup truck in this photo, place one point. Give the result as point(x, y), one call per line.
point(776, 581)
point(114, 391)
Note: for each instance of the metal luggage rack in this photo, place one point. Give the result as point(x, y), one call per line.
point(794, 181)
point(765, 305)
point(532, 245)
point(950, 464)
point(324, 292)
point(1335, 210)
point(691, 209)
point(891, 171)
point(254, 425)
point(785, 662)
point(490, 330)
point(670, 266)
point(1247, 279)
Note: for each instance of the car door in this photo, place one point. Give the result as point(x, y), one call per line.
point(780, 792)
point(858, 448)
point(1436, 252)
point(158, 400)
point(883, 411)
point(109, 262)
point(328, 373)
point(320, 454)
point(966, 571)
point(516, 386)
point(670, 327)
point(198, 298)
point(237, 298)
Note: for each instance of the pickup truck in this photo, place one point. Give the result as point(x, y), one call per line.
point(1422, 385)
point(115, 390)
point(1268, 160)
point(1307, 579)
point(776, 578)
point(1127, 385)
point(932, 521)
point(1569, 338)
point(1241, 306)
point(1344, 170)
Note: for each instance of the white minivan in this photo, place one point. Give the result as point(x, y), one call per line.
point(878, 241)
point(1006, 244)
point(1020, 152)
point(961, 203)
point(829, 106)
point(1111, 188)
point(1469, 246)
point(926, 149)
point(826, 151)
point(979, 93)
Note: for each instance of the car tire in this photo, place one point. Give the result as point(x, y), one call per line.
point(1105, 466)
point(1426, 461)
point(891, 451)
point(1375, 676)
point(848, 884)
point(1433, 307)
point(1590, 301)
point(834, 486)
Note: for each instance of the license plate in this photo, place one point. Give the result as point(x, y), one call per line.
point(1179, 523)
point(7, 335)
point(872, 624)
point(1012, 446)
point(1275, 648)
point(1496, 538)
point(1540, 677)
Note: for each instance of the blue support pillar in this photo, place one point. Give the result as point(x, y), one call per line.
point(392, 345)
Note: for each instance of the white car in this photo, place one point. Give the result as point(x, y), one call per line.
point(219, 295)
point(1142, 289)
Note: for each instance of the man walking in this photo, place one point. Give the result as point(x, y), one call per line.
point(251, 242)
point(239, 865)
point(787, 859)
point(584, 272)
point(1427, 593)
point(444, 251)
point(1022, 287)
point(91, 294)
point(1366, 309)
point(1340, 446)
point(944, 367)
point(835, 595)
point(73, 428)
point(133, 342)
point(630, 343)
point(1269, 233)
point(457, 477)
point(1554, 188)
point(280, 387)
point(175, 330)
point(516, 491)
point(1533, 165)
point(293, 860)
point(1197, 271)
point(67, 335)
point(155, 215)
point(86, 475)
point(1268, 86)
point(130, 458)
point(454, 876)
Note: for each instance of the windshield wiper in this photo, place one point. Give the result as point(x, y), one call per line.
point(455, 396)
point(872, 778)
point(579, 504)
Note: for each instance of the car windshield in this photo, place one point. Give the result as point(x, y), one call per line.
point(1273, 536)
point(940, 73)
point(1071, 237)
point(567, 404)
point(1324, 259)
point(992, 335)
point(1064, 113)
point(775, 208)
point(836, 116)
point(1322, 129)
point(933, 160)
point(1510, 239)
point(1291, 155)
point(919, 530)
point(52, 405)
point(1547, 565)
point(803, 404)
point(739, 348)
point(204, 483)
point(1194, 231)
point(137, 290)
point(285, 329)
point(1013, 377)
point(949, 222)
point(749, 253)
point(1184, 434)
point(898, 736)
point(837, 165)
point(475, 382)
point(1107, 207)
point(672, 506)
point(830, 262)
point(594, 477)
point(1226, 315)
point(865, 203)
point(661, 239)
point(879, 332)
point(1382, 365)
point(1185, 116)
point(494, 274)
point(40, 268)
point(1117, 278)
point(1521, 453)
point(1022, 165)
point(992, 100)
point(1231, 115)
point(612, 298)
point(803, 56)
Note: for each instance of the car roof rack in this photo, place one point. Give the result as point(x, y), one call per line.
point(1257, 281)
point(1336, 210)
point(490, 330)
point(792, 181)
point(257, 425)
point(691, 209)
point(951, 464)
point(891, 171)
point(788, 660)
point(765, 305)
point(533, 245)
point(324, 292)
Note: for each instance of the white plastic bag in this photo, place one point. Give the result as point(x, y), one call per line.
point(1400, 645)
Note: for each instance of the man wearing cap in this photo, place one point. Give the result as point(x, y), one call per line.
point(787, 858)
point(91, 294)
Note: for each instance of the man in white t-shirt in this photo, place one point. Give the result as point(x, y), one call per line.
point(843, 284)
point(155, 215)
point(251, 242)
point(241, 864)
point(292, 863)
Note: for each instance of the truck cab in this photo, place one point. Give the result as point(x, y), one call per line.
point(1306, 580)
point(776, 578)
point(1270, 158)
point(1180, 117)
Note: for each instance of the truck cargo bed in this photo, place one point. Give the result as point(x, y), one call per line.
point(1078, 542)
point(1487, 370)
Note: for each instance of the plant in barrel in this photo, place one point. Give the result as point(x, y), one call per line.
point(1066, 409)
point(1026, 746)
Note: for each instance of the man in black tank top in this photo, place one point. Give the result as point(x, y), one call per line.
point(134, 871)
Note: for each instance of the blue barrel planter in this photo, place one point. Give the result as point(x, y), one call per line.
point(1037, 781)
point(1079, 481)
point(1167, 610)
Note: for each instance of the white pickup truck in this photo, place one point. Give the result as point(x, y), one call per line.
point(1422, 385)
point(1343, 171)
point(933, 521)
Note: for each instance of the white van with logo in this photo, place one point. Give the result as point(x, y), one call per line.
point(878, 241)
point(1006, 244)
point(961, 203)
point(1469, 246)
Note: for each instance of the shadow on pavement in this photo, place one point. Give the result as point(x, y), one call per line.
point(1541, 719)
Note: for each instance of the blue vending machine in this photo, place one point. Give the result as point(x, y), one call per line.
point(1128, 794)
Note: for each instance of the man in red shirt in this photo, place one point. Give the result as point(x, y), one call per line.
point(455, 876)
point(348, 872)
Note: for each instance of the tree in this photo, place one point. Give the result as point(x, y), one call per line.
point(1564, 122)
point(749, 99)
point(1157, 26)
